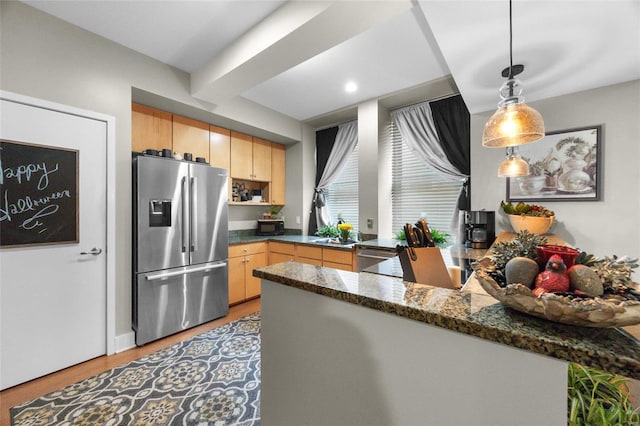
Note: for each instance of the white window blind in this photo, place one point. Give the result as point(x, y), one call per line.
point(419, 191)
point(342, 194)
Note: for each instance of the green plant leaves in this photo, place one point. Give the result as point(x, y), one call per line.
point(596, 397)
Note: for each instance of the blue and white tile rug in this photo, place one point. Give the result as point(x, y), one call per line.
point(210, 379)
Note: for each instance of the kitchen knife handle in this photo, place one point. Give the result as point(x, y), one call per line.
point(408, 233)
point(183, 232)
point(422, 241)
point(429, 242)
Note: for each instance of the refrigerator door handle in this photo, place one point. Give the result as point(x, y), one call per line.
point(193, 220)
point(183, 232)
point(184, 272)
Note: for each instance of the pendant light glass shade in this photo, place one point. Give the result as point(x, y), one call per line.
point(514, 123)
point(513, 165)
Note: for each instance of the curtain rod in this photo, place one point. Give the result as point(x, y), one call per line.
point(335, 125)
point(439, 98)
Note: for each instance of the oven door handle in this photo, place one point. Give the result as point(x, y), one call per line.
point(369, 256)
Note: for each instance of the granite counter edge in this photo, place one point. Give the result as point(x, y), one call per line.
point(606, 361)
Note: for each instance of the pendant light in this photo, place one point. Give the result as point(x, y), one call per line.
point(514, 123)
point(514, 165)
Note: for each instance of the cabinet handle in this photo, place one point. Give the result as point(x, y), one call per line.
point(244, 250)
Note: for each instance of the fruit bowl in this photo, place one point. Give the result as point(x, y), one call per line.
point(534, 224)
point(587, 312)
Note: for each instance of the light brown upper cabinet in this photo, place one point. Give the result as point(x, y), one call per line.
point(241, 156)
point(219, 147)
point(250, 158)
point(150, 128)
point(261, 160)
point(277, 189)
point(191, 136)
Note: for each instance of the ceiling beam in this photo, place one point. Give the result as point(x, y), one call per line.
point(291, 35)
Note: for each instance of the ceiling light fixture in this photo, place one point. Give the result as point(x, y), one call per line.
point(513, 165)
point(351, 87)
point(514, 123)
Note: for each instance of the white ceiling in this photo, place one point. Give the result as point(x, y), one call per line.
point(295, 57)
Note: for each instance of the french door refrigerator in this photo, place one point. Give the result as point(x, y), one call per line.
point(180, 245)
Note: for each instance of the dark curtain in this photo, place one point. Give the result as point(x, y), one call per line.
point(324, 144)
point(453, 125)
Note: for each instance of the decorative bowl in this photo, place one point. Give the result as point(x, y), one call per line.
point(534, 224)
point(566, 253)
point(587, 312)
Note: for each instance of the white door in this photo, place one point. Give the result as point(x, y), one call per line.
point(53, 297)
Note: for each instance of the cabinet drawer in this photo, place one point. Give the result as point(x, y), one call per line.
point(334, 265)
point(337, 256)
point(309, 261)
point(283, 248)
point(279, 258)
point(243, 249)
point(308, 252)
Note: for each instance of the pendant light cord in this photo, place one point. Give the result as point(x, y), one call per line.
point(510, 49)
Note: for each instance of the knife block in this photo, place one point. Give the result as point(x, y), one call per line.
point(427, 268)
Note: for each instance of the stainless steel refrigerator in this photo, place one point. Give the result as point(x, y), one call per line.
point(180, 245)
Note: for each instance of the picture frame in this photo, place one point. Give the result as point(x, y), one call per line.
point(565, 165)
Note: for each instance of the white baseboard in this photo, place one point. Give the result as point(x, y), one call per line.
point(125, 341)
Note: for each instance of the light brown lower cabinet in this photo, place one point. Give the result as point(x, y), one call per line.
point(243, 259)
point(281, 252)
point(312, 255)
point(338, 259)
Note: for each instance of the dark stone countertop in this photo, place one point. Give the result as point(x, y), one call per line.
point(467, 312)
point(313, 240)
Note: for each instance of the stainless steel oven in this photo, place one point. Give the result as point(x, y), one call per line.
point(370, 256)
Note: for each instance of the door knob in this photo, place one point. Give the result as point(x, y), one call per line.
point(94, 251)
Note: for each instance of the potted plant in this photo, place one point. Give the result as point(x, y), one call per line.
point(439, 237)
point(598, 397)
point(345, 232)
point(328, 231)
point(528, 217)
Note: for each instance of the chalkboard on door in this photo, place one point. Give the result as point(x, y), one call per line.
point(38, 194)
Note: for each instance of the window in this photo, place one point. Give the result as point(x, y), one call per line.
point(418, 191)
point(342, 194)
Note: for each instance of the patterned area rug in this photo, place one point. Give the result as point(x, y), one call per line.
point(210, 379)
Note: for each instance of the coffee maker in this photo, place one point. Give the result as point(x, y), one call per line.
point(479, 228)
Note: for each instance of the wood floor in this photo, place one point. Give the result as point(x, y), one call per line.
point(42, 386)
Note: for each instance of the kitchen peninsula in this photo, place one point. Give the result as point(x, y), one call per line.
point(345, 348)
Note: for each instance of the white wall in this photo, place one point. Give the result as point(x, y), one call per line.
point(44, 57)
point(606, 227)
point(368, 120)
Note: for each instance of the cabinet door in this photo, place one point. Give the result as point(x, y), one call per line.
point(252, 283)
point(236, 279)
point(219, 147)
point(191, 136)
point(277, 187)
point(241, 156)
point(150, 128)
point(261, 160)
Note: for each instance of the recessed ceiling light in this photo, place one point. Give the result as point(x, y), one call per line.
point(351, 87)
